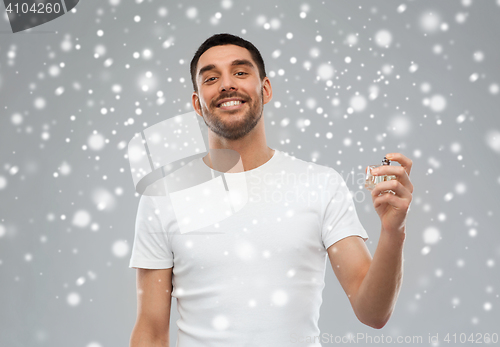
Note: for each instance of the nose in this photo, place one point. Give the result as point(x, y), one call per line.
point(227, 83)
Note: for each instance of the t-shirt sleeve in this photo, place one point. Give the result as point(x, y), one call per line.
point(151, 249)
point(340, 217)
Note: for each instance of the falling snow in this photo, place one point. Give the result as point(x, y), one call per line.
point(220, 322)
point(350, 85)
point(120, 248)
point(431, 235)
point(81, 219)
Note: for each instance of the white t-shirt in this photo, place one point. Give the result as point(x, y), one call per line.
point(255, 278)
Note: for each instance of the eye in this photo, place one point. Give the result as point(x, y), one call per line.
point(241, 73)
point(210, 79)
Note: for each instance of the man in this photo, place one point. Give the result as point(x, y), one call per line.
point(258, 282)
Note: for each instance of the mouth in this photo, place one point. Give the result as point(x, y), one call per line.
point(231, 104)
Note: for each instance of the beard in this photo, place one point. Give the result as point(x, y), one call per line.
point(227, 124)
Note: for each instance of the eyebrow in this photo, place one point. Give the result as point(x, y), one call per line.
point(236, 62)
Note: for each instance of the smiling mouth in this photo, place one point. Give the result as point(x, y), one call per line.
point(231, 105)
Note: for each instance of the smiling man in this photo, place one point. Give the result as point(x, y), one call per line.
point(256, 278)
point(247, 100)
point(230, 90)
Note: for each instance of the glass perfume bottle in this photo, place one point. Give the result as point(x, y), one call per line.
point(372, 180)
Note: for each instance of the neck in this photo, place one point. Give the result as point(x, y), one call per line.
point(252, 148)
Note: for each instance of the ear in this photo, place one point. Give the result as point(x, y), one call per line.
point(267, 90)
point(195, 100)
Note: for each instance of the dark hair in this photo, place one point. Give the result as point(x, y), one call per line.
point(226, 39)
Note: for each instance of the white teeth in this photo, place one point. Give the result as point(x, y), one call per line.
point(231, 103)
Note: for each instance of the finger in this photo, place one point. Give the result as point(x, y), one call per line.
point(393, 200)
point(398, 171)
point(401, 159)
point(393, 185)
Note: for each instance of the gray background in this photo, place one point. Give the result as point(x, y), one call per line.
point(64, 276)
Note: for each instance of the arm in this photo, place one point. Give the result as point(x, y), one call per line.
point(154, 288)
point(372, 286)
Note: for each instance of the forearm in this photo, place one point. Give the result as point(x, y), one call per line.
point(144, 337)
point(377, 294)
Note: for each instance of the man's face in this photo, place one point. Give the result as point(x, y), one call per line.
point(230, 95)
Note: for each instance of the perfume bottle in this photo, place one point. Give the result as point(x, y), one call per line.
point(371, 180)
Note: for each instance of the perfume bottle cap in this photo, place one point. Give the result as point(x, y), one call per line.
point(386, 161)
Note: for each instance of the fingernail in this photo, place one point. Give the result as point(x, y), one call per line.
point(388, 156)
